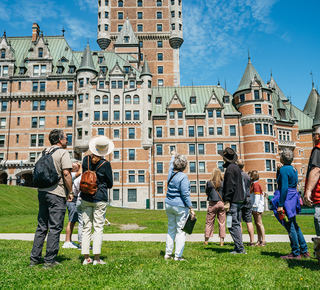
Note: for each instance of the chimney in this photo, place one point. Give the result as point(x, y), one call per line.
point(35, 31)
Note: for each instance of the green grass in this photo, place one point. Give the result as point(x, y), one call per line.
point(19, 210)
point(138, 265)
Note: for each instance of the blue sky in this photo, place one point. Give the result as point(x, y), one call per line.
point(281, 35)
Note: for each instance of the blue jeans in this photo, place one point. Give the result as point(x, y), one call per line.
point(297, 241)
point(235, 230)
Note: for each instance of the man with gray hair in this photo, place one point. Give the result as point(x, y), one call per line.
point(312, 185)
point(246, 207)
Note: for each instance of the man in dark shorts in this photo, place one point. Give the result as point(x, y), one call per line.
point(312, 185)
point(246, 207)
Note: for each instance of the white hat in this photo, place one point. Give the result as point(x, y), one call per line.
point(101, 145)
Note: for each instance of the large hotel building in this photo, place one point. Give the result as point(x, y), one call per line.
point(130, 91)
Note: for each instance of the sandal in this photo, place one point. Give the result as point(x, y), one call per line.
point(262, 244)
point(257, 244)
point(251, 244)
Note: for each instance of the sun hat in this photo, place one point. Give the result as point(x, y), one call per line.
point(229, 155)
point(101, 145)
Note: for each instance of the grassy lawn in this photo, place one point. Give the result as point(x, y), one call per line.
point(138, 265)
point(19, 209)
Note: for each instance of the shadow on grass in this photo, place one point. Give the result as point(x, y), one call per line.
point(61, 258)
point(162, 253)
point(272, 254)
point(311, 264)
point(217, 249)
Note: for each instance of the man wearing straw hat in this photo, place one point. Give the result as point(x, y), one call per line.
point(94, 206)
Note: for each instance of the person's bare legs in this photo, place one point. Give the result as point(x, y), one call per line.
point(69, 231)
point(255, 217)
point(262, 231)
point(251, 232)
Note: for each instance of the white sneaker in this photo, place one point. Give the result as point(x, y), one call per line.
point(87, 262)
point(179, 259)
point(100, 262)
point(69, 245)
point(167, 257)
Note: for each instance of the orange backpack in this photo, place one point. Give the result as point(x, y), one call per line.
point(88, 182)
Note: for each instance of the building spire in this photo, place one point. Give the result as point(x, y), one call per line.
point(248, 54)
point(63, 31)
point(312, 79)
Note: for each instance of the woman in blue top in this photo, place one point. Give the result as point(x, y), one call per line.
point(178, 203)
point(286, 198)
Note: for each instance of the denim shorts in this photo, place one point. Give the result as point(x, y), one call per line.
point(72, 210)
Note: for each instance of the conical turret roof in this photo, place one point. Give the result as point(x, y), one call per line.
point(87, 61)
point(293, 116)
point(127, 35)
point(145, 69)
point(316, 120)
point(311, 105)
point(273, 85)
point(249, 75)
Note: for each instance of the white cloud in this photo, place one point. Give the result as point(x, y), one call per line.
point(91, 5)
point(5, 12)
point(286, 37)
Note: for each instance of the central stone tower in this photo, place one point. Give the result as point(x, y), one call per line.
point(158, 26)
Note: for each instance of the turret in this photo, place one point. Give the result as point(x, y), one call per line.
point(176, 29)
point(316, 120)
point(104, 14)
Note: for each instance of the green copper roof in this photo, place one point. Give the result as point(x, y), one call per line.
point(127, 35)
point(145, 69)
point(202, 94)
point(304, 121)
point(249, 75)
point(274, 86)
point(311, 104)
point(87, 61)
point(316, 120)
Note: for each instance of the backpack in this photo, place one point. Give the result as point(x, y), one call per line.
point(88, 182)
point(45, 173)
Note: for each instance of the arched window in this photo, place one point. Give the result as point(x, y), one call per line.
point(3, 53)
point(105, 100)
point(136, 99)
point(128, 99)
point(116, 100)
point(40, 52)
point(97, 100)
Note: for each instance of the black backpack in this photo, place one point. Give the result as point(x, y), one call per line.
point(45, 173)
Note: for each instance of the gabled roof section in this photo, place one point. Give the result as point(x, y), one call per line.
point(176, 102)
point(87, 61)
point(116, 70)
point(250, 77)
point(293, 116)
point(127, 35)
point(214, 102)
point(4, 44)
point(311, 104)
point(274, 86)
point(146, 69)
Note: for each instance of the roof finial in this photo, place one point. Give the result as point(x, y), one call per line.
point(87, 41)
point(248, 54)
point(312, 79)
point(271, 72)
point(225, 84)
point(4, 34)
point(218, 82)
point(63, 31)
point(192, 82)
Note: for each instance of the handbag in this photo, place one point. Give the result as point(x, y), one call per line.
point(189, 224)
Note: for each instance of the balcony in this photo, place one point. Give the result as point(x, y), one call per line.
point(285, 143)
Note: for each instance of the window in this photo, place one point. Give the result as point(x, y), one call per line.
point(34, 87)
point(18, 121)
point(116, 154)
point(140, 27)
point(193, 186)
point(192, 150)
point(150, 133)
point(202, 186)
point(35, 105)
point(159, 27)
point(97, 115)
point(35, 70)
point(203, 204)
point(159, 167)
point(159, 205)
point(141, 44)
point(160, 82)
point(69, 121)
point(159, 15)
point(270, 110)
point(158, 100)
point(32, 157)
point(172, 132)
point(131, 176)
point(265, 129)
point(105, 100)
point(219, 130)
point(256, 95)
point(267, 147)
point(116, 194)
point(42, 86)
point(69, 138)
point(232, 130)
point(80, 83)
point(100, 131)
point(160, 44)
point(210, 113)
point(268, 165)
point(116, 176)
point(2, 140)
point(219, 147)
point(42, 105)
point(136, 99)
point(136, 115)
point(128, 115)
point(173, 26)
point(33, 140)
point(3, 123)
point(159, 131)
point(139, 15)
point(3, 53)
point(242, 98)
point(120, 15)
point(218, 114)
point(211, 131)
point(220, 166)
point(257, 108)
point(132, 84)
point(43, 70)
point(4, 105)
point(159, 187)
point(258, 129)
point(139, 3)
point(180, 114)
point(200, 131)
point(116, 100)
point(159, 3)
point(57, 120)
point(105, 116)
point(172, 14)
point(272, 147)
point(159, 149)
point(113, 84)
point(101, 84)
point(160, 56)
point(149, 84)
point(120, 3)
point(180, 131)
point(70, 104)
point(131, 154)
point(41, 122)
point(274, 165)
point(171, 114)
point(119, 27)
point(4, 87)
point(160, 69)
point(192, 167)
point(201, 148)
point(234, 147)
point(79, 133)
point(132, 195)
point(141, 178)
point(191, 131)
point(268, 97)
point(131, 133)
point(269, 184)
point(40, 140)
point(120, 84)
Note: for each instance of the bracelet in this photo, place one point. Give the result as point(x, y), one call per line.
point(71, 193)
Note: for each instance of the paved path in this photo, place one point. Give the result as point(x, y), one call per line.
point(155, 237)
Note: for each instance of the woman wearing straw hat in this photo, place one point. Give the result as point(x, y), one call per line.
point(94, 206)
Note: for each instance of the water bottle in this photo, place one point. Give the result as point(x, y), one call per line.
point(229, 220)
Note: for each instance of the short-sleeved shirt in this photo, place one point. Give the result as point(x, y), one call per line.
point(61, 161)
point(314, 160)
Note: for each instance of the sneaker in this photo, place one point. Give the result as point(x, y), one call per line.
point(50, 265)
point(33, 263)
point(69, 245)
point(179, 259)
point(100, 262)
point(291, 257)
point(75, 245)
point(306, 255)
point(235, 252)
point(167, 257)
point(87, 262)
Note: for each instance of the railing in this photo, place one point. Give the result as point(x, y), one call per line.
point(286, 143)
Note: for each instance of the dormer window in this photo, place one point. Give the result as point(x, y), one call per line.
point(256, 95)
point(126, 69)
point(3, 53)
point(103, 69)
point(21, 71)
point(100, 59)
point(158, 100)
point(126, 39)
point(226, 99)
point(40, 52)
point(71, 70)
point(242, 98)
point(59, 70)
point(193, 100)
point(119, 28)
point(282, 113)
